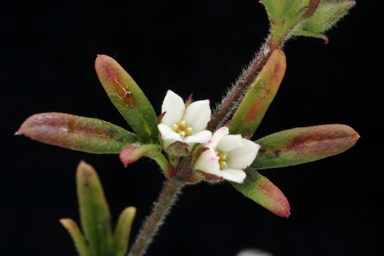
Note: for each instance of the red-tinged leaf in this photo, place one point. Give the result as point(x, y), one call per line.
point(302, 145)
point(264, 192)
point(78, 133)
point(256, 101)
point(132, 153)
point(128, 98)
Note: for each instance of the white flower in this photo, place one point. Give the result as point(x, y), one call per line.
point(227, 156)
point(185, 124)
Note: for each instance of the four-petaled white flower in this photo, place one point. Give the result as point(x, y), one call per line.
point(184, 124)
point(227, 156)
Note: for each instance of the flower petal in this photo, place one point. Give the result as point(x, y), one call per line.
point(197, 115)
point(233, 175)
point(174, 107)
point(216, 137)
point(230, 142)
point(208, 162)
point(242, 157)
point(168, 135)
point(200, 137)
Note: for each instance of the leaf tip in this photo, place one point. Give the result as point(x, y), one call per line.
point(107, 68)
point(101, 58)
point(85, 171)
point(128, 214)
point(127, 156)
point(68, 223)
point(275, 200)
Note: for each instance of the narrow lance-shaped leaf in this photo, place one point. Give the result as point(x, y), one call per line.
point(264, 192)
point(94, 212)
point(128, 98)
point(78, 238)
point(76, 132)
point(302, 145)
point(256, 101)
point(123, 231)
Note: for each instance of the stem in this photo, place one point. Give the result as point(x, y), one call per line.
point(236, 93)
point(172, 186)
point(167, 197)
point(278, 36)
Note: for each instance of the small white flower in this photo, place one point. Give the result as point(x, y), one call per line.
point(185, 124)
point(227, 156)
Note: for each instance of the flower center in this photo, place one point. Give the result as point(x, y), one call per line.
point(182, 129)
point(222, 160)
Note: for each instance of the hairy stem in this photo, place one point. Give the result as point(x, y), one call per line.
point(236, 93)
point(167, 198)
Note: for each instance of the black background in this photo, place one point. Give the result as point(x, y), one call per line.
point(47, 51)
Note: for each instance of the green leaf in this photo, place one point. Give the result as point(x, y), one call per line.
point(278, 9)
point(78, 133)
point(128, 98)
point(256, 101)
point(94, 212)
point(78, 238)
point(303, 18)
point(311, 34)
point(302, 145)
point(123, 230)
point(259, 189)
point(327, 14)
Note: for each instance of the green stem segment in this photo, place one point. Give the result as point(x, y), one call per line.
point(167, 198)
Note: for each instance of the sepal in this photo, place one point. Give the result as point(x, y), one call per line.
point(178, 149)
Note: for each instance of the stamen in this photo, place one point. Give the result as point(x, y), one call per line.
point(222, 160)
point(182, 129)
